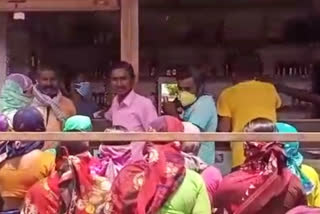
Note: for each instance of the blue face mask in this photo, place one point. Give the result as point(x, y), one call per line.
point(83, 88)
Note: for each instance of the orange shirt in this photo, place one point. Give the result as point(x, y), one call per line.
point(16, 177)
point(52, 122)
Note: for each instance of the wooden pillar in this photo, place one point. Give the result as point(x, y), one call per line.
point(130, 33)
point(3, 48)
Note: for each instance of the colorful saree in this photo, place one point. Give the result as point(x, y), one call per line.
point(113, 159)
point(304, 210)
point(74, 187)
point(262, 184)
point(144, 186)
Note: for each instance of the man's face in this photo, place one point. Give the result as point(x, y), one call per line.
point(188, 85)
point(121, 81)
point(48, 83)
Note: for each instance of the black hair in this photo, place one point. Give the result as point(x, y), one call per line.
point(260, 125)
point(44, 68)
point(76, 147)
point(124, 65)
point(184, 72)
point(247, 63)
point(117, 128)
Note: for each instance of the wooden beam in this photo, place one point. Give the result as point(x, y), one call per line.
point(3, 48)
point(130, 33)
point(158, 137)
point(60, 5)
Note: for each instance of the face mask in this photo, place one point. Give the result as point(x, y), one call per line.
point(186, 98)
point(83, 88)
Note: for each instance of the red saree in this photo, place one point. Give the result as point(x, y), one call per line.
point(73, 188)
point(144, 186)
point(261, 185)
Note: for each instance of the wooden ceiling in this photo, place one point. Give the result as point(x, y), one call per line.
point(58, 5)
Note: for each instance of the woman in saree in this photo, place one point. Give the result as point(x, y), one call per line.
point(308, 176)
point(304, 210)
point(160, 183)
point(263, 184)
point(211, 175)
point(75, 186)
point(22, 163)
point(16, 93)
point(114, 157)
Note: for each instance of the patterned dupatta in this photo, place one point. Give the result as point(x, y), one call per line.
point(144, 186)
point(74, 188)
point(261, 178)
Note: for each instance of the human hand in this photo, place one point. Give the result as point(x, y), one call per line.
point(169, 108)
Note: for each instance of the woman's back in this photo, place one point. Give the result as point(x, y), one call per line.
point(18, 174)
point(190, 197)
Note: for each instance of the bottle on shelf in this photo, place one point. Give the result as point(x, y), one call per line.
point(174, 72)
point(226, 70)
point(152, 70)
point(168, 72)
point(277, 72)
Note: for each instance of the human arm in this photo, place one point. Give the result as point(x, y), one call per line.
point(224, 112)
point(148, 115)
point(202, 202)
point(170, 108)
point(47, 160)
point(224, 124)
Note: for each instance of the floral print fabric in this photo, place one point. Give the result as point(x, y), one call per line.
point(73, 189)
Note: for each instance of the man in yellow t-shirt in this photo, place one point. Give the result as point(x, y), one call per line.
point(246, 100)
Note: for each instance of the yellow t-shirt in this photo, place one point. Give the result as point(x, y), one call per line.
point(244, 102)
point(314, 197)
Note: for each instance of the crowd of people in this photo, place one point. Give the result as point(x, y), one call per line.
point(39, 177)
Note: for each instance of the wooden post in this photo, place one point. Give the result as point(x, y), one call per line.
point(130, 33)
point(3, 48)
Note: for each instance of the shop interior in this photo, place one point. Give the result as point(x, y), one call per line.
point(205, 34)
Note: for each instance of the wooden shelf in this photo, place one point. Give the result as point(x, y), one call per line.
point(59, 5)
point(223, 4)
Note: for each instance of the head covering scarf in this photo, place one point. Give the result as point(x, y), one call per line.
point(167, 124)
point(78, 123)
point(259, 180)
point(75, 186)
point(113, 158)
point(144, 186)
point(27, 119)
point(12, 96)
point(43, 100)
point(190, 147)
point(172, 124)
point(304, 210)
point(294, 157)
point(4, 124)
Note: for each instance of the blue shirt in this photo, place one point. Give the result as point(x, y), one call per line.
point(203, 114)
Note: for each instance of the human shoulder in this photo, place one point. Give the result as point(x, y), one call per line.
point(142, 99)
point(228, 91)
point(66, 101)
point(310, 172)
point(38, 157)
point(68, 106)
point(194, 176)
point(206, 98)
